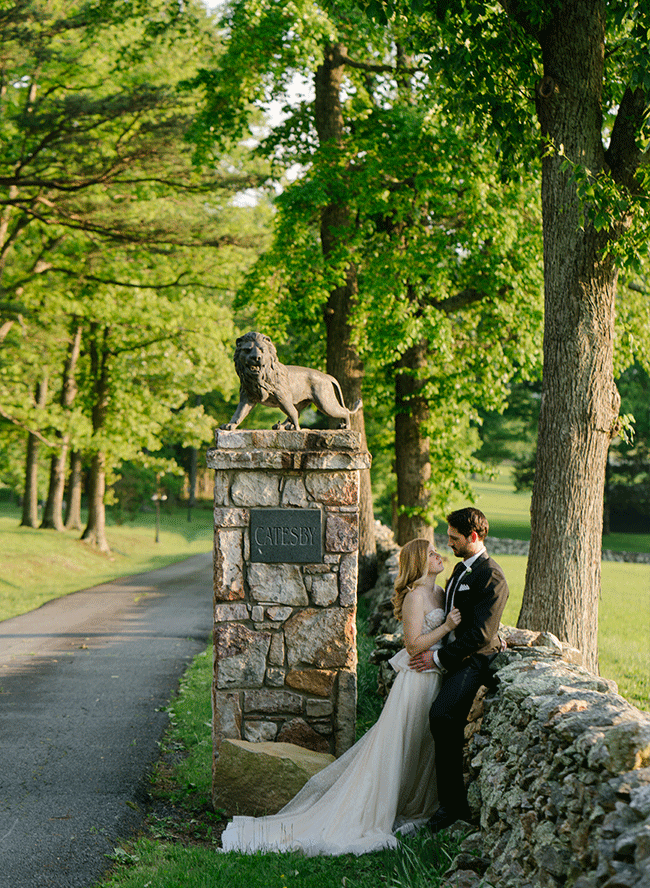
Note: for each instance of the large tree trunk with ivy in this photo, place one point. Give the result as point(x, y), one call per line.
point(412, 457)
point(342, 360)
point(579, 406)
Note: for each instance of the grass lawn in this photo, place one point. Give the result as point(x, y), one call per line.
point(38, 565)
point(174, 865)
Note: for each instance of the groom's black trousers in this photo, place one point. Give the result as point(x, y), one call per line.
point(447, 718)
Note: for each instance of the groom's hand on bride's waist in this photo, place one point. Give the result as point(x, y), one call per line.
point(422, 661)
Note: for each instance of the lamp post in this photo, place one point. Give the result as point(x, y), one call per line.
point(158, 498)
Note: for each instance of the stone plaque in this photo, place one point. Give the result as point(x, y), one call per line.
point(286, 535)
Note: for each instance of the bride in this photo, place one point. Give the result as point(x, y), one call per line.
point(386, 782)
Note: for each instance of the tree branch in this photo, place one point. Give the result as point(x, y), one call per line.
point(115, 282)
point(110, 177)
point(514, 10)
point(460, 300)
point(623, 155)
point(78, 223)
point(25, 428)
point(378, 69)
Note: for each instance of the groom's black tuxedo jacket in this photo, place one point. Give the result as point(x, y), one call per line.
point(480, 597)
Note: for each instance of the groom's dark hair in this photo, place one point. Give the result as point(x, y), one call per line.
point(467, 520)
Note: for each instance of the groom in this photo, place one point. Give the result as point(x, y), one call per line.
point(478, 588)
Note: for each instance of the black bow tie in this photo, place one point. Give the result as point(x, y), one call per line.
point(460, 567)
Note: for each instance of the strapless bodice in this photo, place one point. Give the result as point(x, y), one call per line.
point(435, 618)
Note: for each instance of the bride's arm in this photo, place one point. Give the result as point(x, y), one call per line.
point(416, 641)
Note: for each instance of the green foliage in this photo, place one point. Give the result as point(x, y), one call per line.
point(612, 198)
point(12, 457)
point(136, 484)
point(441, 251)
point(632, 344)
point(611, 208)
point(511, 435)
point(488, 56)
point(487, 61)
point(627, 486)
point(107, 226)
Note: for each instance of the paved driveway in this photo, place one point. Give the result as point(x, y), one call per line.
point(83, 681)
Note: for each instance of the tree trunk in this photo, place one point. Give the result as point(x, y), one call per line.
point(30, 496)
point(192, 472)
point(95, 532)
point(412, 457)
point(53, 511)
point(73, 509)
point(343, 363)
point(100, 355)
point(579, 403)
point(342, 360)
point(192, 478)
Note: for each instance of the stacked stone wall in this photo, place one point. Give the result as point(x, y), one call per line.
point(559, 770)
point(285, 633)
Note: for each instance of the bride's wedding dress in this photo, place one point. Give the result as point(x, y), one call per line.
point(384, 784)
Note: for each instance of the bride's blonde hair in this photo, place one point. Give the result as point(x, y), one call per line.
point(413, 566)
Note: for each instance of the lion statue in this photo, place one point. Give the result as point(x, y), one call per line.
point(264, 380)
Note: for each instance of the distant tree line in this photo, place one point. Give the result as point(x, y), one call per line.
point(118, 255)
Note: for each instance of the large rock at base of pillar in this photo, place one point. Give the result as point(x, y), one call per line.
point(260, 778)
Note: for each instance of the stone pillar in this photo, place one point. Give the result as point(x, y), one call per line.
point(285, 578)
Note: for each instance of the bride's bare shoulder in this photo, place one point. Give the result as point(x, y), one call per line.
point(415, 595)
